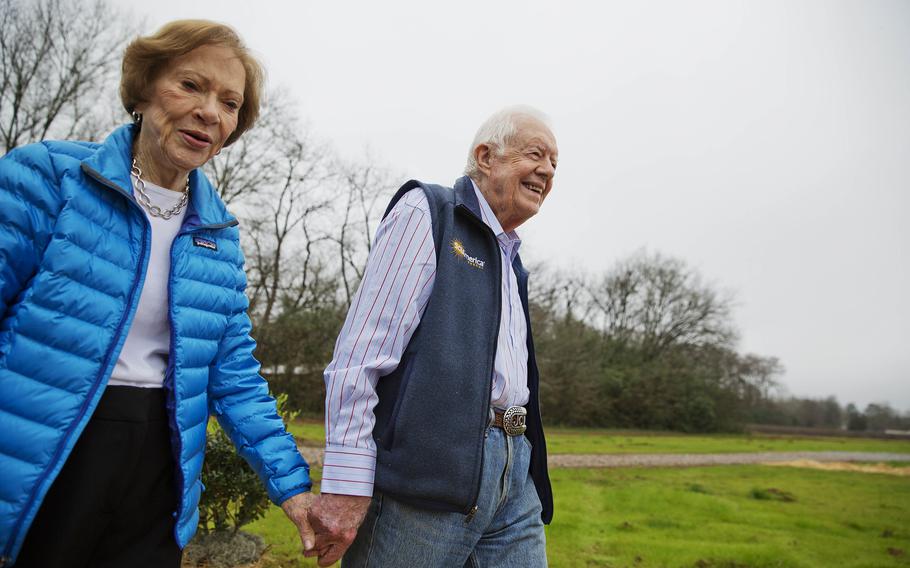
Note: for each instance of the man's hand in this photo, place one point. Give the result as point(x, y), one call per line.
point(335, 519)
point(296, 509)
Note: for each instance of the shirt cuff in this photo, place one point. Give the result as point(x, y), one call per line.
point(348, 471)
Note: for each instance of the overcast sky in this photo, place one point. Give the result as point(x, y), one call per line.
point(766, 143)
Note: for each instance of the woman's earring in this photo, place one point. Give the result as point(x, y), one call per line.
point(137, 118)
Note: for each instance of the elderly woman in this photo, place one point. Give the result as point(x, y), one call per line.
point(124, 320)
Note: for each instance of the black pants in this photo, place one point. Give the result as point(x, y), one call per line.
point(112, 504)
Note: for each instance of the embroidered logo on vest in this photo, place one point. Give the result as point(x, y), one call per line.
point(459, 251)
point(205, 243)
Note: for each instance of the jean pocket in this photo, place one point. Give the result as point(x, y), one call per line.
point(527, 443)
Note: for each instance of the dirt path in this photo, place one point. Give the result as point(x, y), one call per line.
point(314, 456)
point(900, 471)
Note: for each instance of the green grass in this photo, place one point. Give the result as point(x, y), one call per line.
point(601, 441)
point(730, 517)
point(309, 432)
point(735, 517)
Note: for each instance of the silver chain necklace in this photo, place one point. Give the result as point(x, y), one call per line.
point(146, 202)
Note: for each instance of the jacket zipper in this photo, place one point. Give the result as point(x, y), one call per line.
point(107, 358)
point(171, 366)
point(170, 382)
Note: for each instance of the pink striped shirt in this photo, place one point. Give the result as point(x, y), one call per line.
point(384, 314)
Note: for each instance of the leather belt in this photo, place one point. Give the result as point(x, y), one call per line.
point(512, 420)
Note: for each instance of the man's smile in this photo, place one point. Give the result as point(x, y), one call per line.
point(533, 186)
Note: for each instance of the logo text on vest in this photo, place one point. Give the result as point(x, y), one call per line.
point(459, 251)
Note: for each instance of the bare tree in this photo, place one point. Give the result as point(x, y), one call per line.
point(658, 302)
point(287, 220)
point(364, 186)
point(560, 292)
point(279, 178)
point(58, 64)
point(760, 373)
point(308, 216)
point(256, 161)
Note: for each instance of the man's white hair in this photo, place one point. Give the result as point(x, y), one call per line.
point(498, 130)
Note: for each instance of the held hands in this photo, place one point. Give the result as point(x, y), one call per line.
point(327, 523)
point(335, 520)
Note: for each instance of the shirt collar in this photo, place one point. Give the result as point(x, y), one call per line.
point(509, 241)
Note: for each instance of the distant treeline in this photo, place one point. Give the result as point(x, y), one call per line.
point(828, 413)
point(648, 344)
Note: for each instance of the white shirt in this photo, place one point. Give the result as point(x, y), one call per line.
point(144, 358)
point(385, 312)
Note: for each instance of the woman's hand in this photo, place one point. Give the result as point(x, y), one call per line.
point(296, 508)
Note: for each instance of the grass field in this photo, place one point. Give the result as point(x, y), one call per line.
point(730, 517)
point(598, 441)
point(706, 517)
point(575, 441)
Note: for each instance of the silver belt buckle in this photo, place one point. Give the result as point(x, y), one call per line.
point(513, 420)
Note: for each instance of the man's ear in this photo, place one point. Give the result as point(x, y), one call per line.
point(483, 156)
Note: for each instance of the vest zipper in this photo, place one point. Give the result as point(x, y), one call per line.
point(498, 256)
point(107, 358)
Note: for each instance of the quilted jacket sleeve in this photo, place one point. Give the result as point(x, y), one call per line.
point(240, 399)
point(29, 204)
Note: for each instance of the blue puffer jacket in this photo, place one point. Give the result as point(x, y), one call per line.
point(74, 248)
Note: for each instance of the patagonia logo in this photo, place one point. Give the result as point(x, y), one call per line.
point(205, 243)
point(459, 251)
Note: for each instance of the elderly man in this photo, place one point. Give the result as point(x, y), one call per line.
point(433, 437)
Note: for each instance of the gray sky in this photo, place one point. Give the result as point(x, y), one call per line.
point(766, 143)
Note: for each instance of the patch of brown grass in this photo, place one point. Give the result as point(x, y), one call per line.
point(846, 466)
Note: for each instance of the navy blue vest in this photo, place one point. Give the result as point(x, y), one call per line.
point(433, 409)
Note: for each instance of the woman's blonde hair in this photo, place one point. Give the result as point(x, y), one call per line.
point(147, 57)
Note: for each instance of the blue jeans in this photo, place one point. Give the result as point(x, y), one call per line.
point(505, 531)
